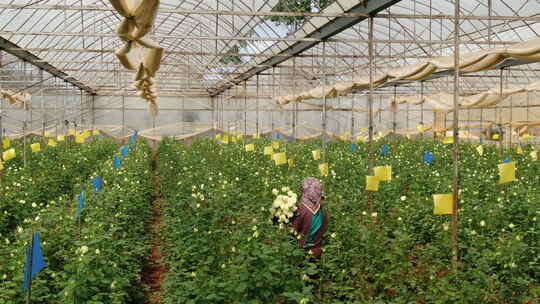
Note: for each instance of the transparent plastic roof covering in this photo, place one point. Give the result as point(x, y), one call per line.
point(78, 37)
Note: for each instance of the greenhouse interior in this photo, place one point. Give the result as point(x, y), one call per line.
point(269, 151)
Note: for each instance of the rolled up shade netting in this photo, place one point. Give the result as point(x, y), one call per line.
point(471, 62)
point(140, 53)
point(445, 102)
point(21, 100)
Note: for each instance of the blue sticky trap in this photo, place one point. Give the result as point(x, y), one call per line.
point(81, 203)
point(506, 160)
point(384, 150)
point(116, 162)
point(124, 151)
point(481, 140)
point(278, 136)
point(428, 157)
point(98, 183)
point(353, 147)
point(34, 255)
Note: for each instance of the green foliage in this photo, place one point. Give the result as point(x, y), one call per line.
point(96, 258)
point(215, 194)
point(298, 6)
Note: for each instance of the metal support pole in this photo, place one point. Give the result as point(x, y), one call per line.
point(273, 97)
point(24, 142)
point(499, 110)
point(257, 108)
point(394, 111)
point(295, 105)
point(323, 142)
point(124, 115)
point(370, 112)
point(422, 106)
point(245, 108)
point(455, 186)
point(42, 106)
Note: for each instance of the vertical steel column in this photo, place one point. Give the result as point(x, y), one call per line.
point(245, 107)
point(370, 111)
point(257, 107)
point(323, 142)
point(499, 110)
point(124, 114)
point(422, 107)
point(394, 111)
point(42, 106)
point(273, 96)
point(295, 105)
point(455, 184)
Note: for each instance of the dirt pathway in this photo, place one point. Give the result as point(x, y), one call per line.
point(154, 272)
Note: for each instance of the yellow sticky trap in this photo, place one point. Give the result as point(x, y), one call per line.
point(36, 147)
point(519, 150)
point(343, 138)
point(9, 154)
point(233, 139)
point(323, 169)
point(526, 137)
point(250, 148)
point(448, 140)
point(408, 136)
point(225, 138)
point(348, 133)
point(466, 133)
point(95, 132)
point(480, 150)
point(268, 150)
point(47, 134)
point(275, 145)
point(316, 154)
point(87, 133)
point(51, 143)
point(443, 204)
point(534, 155)
point(360, 139)
point(496, 136)
point(507, 172)
point(61, 138)
point(6, 143)
point(290, 162)
point(363, 130)
point(218, 136)
point(372, 183)
point(280, 158)
point(420, 128)
point(383, 173)
point(71, 132)
point(79, 139)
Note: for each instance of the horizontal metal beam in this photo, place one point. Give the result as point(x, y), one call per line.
point(235, 38)
point(25, 55)
point(323, 14)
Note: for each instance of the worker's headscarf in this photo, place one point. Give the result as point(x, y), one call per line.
point(312, 194)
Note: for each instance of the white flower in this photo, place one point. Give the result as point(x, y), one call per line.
point(19, 229)
point(482, 223)
point(285, 189)
point(254, 228)
point(446, 227)
point(403, 198)
point(233, 249)
point(275, 192)
point(83, 249)
point(223, 266)
point(113, 285)
point(374, 214)
point(34, 205)
point(399, 218)
point(364, 213)
point(4, 276)
point(98, 252)
point(304, 301)
point(193, 274)
point(305, 277)
point(198, 205)
point(195, 230)
point(511, 225)
point(333, 235)
point(256, 234)
point(518, 238)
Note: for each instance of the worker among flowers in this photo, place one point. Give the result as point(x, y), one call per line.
point(312, 219)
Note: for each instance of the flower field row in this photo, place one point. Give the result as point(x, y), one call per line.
point(93, 258)
point(50, 173)
point(221, 246)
